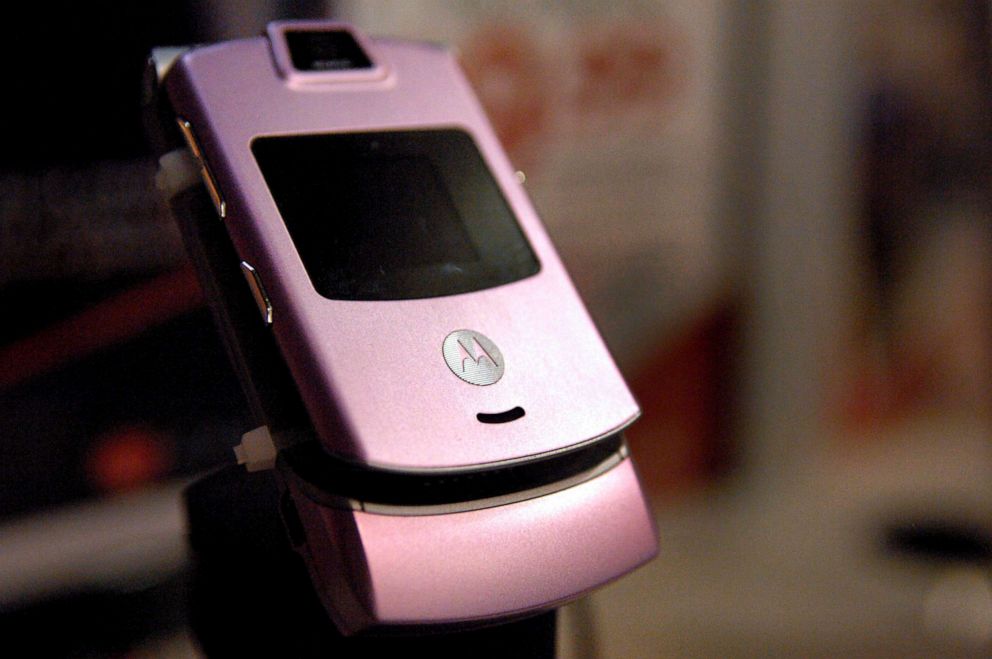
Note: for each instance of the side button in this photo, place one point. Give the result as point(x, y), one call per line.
point(208, 179)
point(187, 130)
point(257, 291)
point(219, 204)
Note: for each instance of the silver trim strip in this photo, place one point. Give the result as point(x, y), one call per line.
point(492, 502)
point(334, 501)
point(503, 463)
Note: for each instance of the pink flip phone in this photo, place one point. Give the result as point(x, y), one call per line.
point(463, 459)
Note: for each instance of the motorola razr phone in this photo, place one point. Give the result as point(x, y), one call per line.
point(456, 454)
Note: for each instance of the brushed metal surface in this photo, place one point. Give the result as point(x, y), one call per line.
point(473, 357)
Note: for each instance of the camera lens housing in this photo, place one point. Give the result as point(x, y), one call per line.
point(325, 50)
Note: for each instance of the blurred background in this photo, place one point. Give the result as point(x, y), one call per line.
point(777, 212)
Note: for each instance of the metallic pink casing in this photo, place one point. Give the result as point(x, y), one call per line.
point(478, 565)
point(372, 374)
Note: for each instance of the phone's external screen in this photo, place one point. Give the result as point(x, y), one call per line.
point(395, 214)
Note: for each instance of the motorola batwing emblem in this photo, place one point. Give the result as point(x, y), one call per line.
point(473, 357)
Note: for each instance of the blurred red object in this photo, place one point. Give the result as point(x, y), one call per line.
point(112, 321)
point(683, 439)
point(127, 458)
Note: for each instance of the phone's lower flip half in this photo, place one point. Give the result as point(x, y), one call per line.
point(377, 570)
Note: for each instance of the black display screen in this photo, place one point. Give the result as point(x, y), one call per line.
point(394, 215)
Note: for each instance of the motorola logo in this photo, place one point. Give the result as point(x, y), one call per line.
point(473, 357)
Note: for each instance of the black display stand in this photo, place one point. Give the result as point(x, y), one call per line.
point(251, 594)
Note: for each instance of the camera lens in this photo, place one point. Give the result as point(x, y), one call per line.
point(325, 50)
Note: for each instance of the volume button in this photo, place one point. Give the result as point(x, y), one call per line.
point(187, 130)
point(208, 179)
point(257, 291)
point(215, 197)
